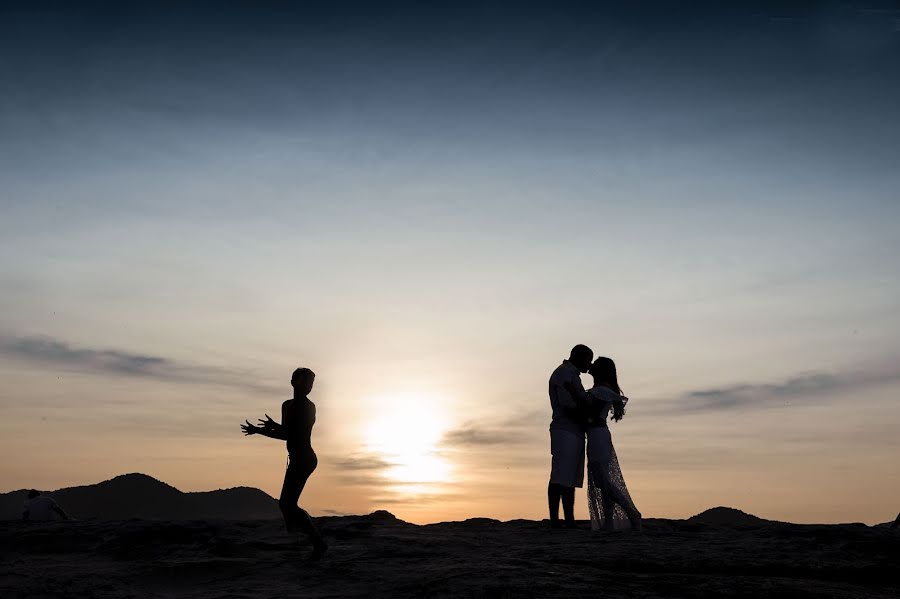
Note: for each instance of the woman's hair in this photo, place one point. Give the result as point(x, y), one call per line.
point(604, 370)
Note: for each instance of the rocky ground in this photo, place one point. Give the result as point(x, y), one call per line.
point(378, 555)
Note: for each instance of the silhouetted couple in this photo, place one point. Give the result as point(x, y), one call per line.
point(580, 415)
point(298, 415)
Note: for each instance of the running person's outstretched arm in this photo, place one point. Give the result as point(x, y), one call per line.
point(267, 428)
point(270, 425)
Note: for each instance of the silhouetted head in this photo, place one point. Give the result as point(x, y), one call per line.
point(32, 494)
point(581, 356)
point(302, 380)
point(604, 372)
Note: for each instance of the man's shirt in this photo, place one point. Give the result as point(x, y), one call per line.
point(562, 402)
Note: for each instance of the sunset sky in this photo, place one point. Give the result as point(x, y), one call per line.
point(429, 207)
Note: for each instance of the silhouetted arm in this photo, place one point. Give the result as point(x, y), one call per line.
point(61, 512)
point(605, 397)
point(272, 433)
point(575, 400)
point(579, 399)
point(270, 425)
point(617, 402)
point(618, 410)
point(577, 393)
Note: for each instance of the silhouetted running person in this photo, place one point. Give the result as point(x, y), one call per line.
point(298, 416)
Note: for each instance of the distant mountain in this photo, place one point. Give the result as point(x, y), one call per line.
point(141, 496)
point(894, 524)
point(726, 516)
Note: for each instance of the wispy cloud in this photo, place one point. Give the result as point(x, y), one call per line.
point(441, 497)
point(115, 362)
point(522, 428)
point(362, 463)
point(802, 387)
point(478, 434)
point(519, 428)
point(364, 470)
point(369, 474)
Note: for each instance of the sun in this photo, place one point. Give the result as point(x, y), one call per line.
point(406, 434)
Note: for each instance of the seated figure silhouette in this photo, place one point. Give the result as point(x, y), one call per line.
point(298, 415)
point(41, 508)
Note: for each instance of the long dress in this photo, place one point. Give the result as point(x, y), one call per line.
point(608, 496)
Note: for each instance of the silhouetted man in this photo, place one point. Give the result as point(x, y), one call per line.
point(41, 508)
point(567, 434)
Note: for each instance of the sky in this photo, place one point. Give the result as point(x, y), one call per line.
point(429, 206)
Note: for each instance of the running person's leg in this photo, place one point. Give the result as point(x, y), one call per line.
point(294, 481)
point(296, 518)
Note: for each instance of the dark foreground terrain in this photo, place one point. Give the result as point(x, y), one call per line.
point(378, 555)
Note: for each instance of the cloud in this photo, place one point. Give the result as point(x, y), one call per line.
point(419, 499)
point(517, 429)
point(366, 462)
point(361, 470)
point(801, 387)
point(366, 480)
point(522, 428)
point(53, 352)
point(474, 434)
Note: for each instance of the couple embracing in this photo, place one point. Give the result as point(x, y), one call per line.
point(581, 415)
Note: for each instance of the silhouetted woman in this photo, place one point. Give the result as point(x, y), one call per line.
point(298, 416)
point(608, 499)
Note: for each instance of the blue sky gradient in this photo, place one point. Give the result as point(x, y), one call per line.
point(429, 207)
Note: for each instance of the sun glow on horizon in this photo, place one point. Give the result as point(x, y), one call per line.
point(405, 436)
